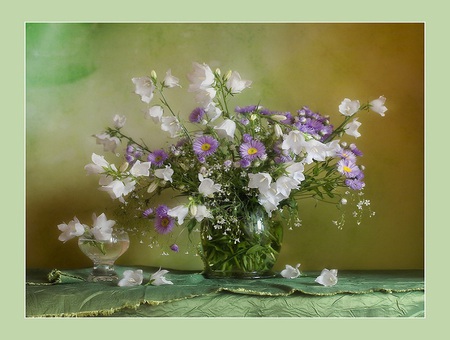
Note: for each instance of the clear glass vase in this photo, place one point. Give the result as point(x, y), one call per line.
point(104, 254)
point(248, 249)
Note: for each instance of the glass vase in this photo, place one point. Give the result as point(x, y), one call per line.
point(104, 254)
point(247, 247)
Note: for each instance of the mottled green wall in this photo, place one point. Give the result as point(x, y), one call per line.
point(79, 75)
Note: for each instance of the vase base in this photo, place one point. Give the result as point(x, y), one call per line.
point(103, 278)
point(239, 275)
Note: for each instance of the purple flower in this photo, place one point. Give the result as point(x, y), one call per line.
point(227, 163)
point(147, 212)
point(252, 150)
point(245, 163)
point(347, 154)
point(355, 150)
point(313, 123)
point(157, 157)
point(354, 183)
point(163, 222)
point(245, 121)
point(196, 115)
point(205, 146)
point(282, 159)
point(132, 153)
point(348, 168)
point(247, 138)
point(174, 247)
point(246, 109)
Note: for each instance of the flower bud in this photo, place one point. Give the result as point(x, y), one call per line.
point(253, 117)
point(152, 187)
point(278, 131)
point(228, 75)
point(123, 167)
point(278, 118)
point(193, 209)
point(153, 75)
point(218, 71)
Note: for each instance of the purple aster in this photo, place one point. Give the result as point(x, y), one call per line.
point(196, 115)
point(347, 154)
point(157, 157)
point(252, 150)
point(245, 163)
point(245, 121)
point(246, 137)
point(246, 109)
point(146, 213)
point(355, 150)
point(281, 155)
point(348, 168)
point(282, 159)
point(163, 222)
point(289, 119)
point(267, 112)
point(132, 153)
point(354, 183)
point(129, 158)
point(313, 123)
point(205, 146)
point(174, 247)
point(227, 163)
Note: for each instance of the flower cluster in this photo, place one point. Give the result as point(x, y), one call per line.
point(101, 229)
point(225, 159)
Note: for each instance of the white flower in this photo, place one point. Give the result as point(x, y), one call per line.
point(318, 151)
point(236, 84)
point(278, 131)
point(171, 125)
point(285, 184)
point(155, 113)
point(169, 80)
point(352, 128)
point(260, 181)
point(117, 188)
point(109, 143)
point(200, 212)
point(72, 229)
point(377, 105)
point(158, 278)
point(226, 129)
point(201, 77)
point(204, 97)
point(180, 212)
point(102, 228)
point(131, 278)
point(119, 121)
point(295, 171)
point(349, 107)
point(165, 174)
point(144, 88)
point(294, 141)
point(327, 277)
point(290, 272)
point(140, 169)
point(207, 186)
point(213, 112)
point(270, 199)
point(98, 166)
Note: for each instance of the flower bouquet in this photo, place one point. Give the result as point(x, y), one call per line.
point(241, 170)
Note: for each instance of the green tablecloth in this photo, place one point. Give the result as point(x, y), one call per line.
point(357, 294)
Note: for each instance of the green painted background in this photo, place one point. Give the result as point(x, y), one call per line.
point(79, 75)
